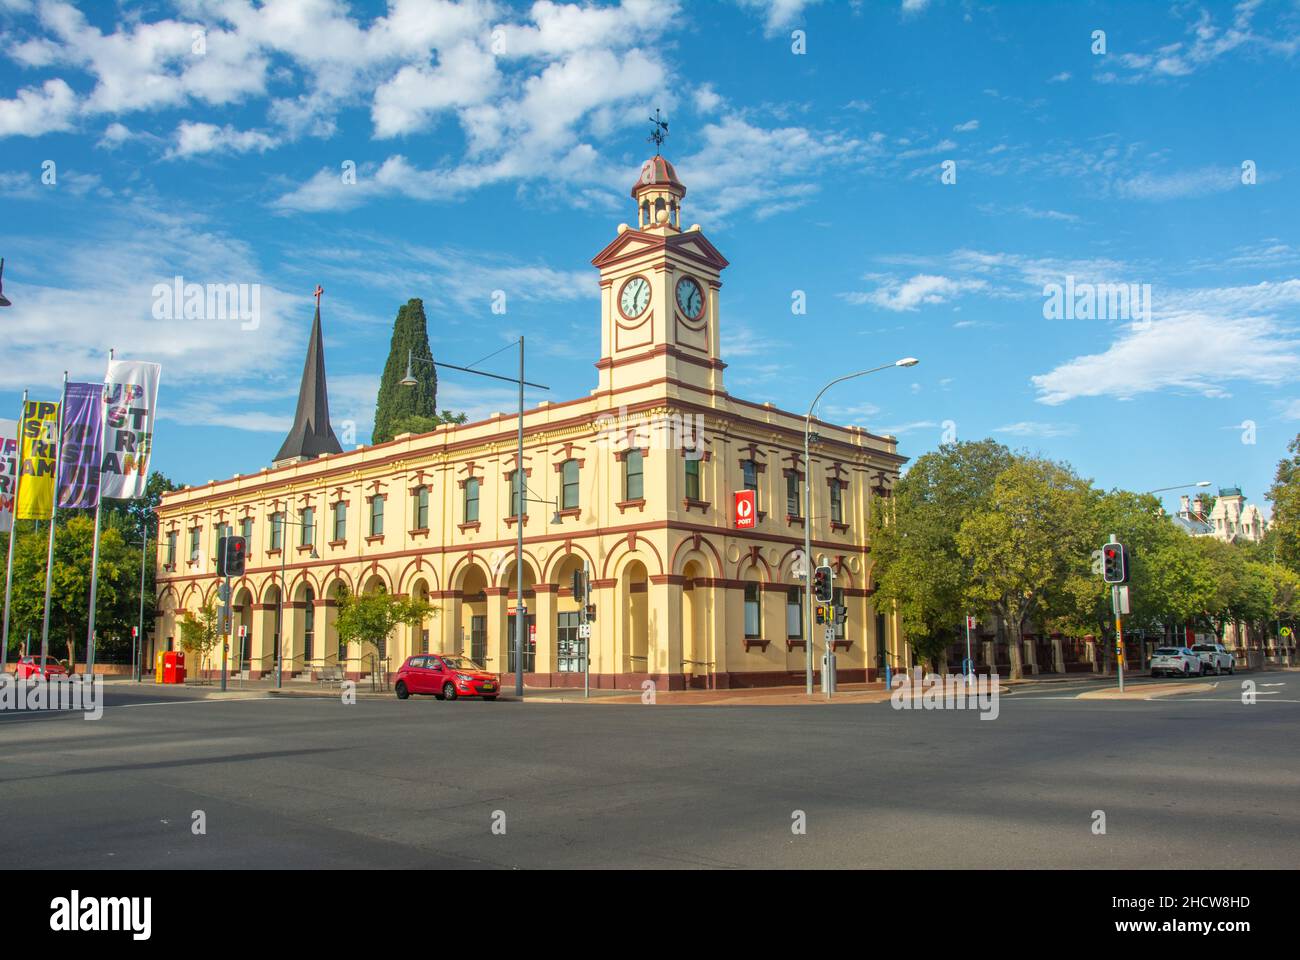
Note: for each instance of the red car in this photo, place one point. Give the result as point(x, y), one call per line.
point(445, 677)
point(28, 667)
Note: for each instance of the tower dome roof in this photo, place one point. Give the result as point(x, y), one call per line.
point(658, 172)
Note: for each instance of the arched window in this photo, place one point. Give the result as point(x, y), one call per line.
point(308, 623)
point(569, 475)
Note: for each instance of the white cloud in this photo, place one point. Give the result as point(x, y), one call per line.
point(465, 75)
point(967, 127)
point(1061, 77)
point(1208, 42)
point(193, 139)
point(1178, 184)
point(914, 6)
point(778, 14)
point(1035, 428)
point(37, 111)
point(920, 290)
point(706, 98)
point(1188, 350)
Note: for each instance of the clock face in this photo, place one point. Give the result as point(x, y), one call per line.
point(635, 297)
point(689, 298)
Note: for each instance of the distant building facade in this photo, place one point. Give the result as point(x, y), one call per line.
point(634, 481)
point(1230, 519)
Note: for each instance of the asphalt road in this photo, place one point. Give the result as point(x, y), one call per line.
point(1201, 780)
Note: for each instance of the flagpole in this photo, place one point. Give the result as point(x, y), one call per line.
point(94, 550)
point(54, 515)
point(13, 534)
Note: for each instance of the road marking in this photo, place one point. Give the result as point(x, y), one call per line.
point(169, 703)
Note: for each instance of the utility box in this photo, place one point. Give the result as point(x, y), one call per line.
point(158, 666)
point(173, 666)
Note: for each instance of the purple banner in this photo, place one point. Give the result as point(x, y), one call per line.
point(83, 434)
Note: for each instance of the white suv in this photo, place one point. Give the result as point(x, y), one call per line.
point(1176, 661)
point(1216, 657)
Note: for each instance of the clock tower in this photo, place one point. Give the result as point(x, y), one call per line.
point(659, 294)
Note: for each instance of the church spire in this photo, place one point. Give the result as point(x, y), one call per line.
point(311, 434)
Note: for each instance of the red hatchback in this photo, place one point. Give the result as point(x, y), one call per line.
point(28, 667)
point(445, 677)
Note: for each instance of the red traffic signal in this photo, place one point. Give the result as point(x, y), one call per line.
point(822, 584)
point(231, 554)
point(1114, 563)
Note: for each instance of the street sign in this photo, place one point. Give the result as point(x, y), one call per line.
point(1119, 600)
point(224, 629)
point(746, 509)
point(223, 591)
point(970, 623)
point(584, 631)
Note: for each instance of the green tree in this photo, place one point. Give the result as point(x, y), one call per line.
point(397, 403)
point(1024, 543)
point(368, 618)
point(1284, 528)
point(916, 564)
point(70, 583)
point(1164, 577)
point(200, 632)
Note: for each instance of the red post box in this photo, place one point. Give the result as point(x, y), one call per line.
point(174, 666)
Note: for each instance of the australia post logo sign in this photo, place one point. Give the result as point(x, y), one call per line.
point(746, 512)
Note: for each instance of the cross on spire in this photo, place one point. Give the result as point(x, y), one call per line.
point(319, 291)
point(660, 132)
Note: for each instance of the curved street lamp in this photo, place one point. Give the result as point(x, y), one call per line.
point(4, 301)
point(807, 522)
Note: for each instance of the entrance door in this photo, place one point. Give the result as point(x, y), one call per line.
point(530, 642)
point(478, 639)
point(570, 650)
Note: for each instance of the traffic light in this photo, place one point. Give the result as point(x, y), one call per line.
point(231, 553)
point(1114, 563)
point(579, 586)
point(591, 613)
point(841, 614)
point(822, 584)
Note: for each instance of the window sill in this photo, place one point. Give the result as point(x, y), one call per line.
point(841, 644)
point(756, 642)
point(792, 642)
point(306, 548)
point(375, 538)
point(839, 527)
point(474, 525)
point(419, 532)
point(793, 519)
point(574, 512)
point(688, 505)
point(511, 521)
point(625, 505)
point(339, 543)
point(273, 552)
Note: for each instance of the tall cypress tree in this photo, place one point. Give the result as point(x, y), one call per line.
point(400, 408)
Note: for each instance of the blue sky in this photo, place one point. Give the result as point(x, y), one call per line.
point(494, 145)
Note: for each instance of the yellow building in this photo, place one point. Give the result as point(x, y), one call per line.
point(638, 481)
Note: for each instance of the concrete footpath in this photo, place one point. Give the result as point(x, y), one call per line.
point(1076, 686)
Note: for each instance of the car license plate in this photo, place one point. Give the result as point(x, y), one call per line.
point(489, 686)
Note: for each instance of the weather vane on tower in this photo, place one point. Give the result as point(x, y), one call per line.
point(660, 132)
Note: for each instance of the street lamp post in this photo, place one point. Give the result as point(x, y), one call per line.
point(1181, 486)
point(807, 524)
point(520, 610)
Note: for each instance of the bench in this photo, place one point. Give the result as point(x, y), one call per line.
point(329, 673)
